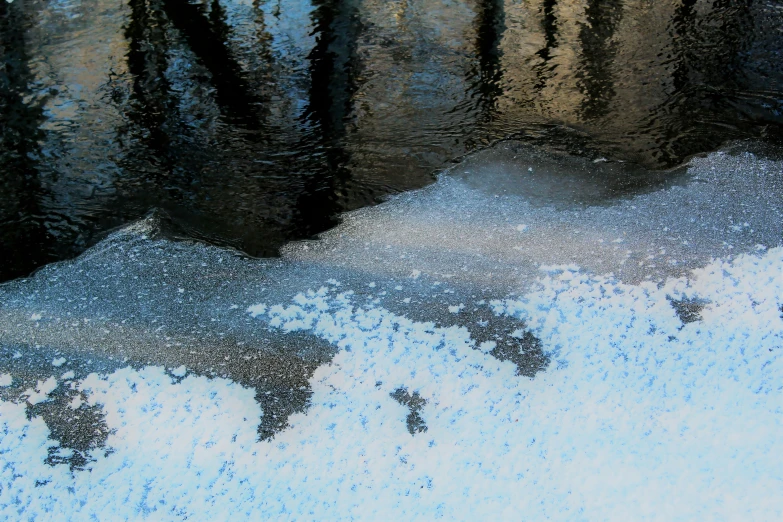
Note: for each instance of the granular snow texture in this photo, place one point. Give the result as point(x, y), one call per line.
point(639, 415)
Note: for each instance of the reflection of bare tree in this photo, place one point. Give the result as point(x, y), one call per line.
point(263, 38)
point(707, 52)
point(333, 68)
point(549, 24)
point(682, 21)
point(598, 50)
point(22, 220)
point(208, 36)
point(152, 104)
point(649, 82)
point(487, 77)
point(176, 106)
point(193, 175)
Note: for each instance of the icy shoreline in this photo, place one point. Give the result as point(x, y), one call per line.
point(370, 375)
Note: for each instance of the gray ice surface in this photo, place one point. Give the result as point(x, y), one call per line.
point(490, 227)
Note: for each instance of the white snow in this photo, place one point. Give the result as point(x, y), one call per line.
point(42, 391)
point(257, 310)
point(59, 361)
point(487, 346)
point(638, 416)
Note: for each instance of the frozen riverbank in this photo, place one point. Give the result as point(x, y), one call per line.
point(460, 351)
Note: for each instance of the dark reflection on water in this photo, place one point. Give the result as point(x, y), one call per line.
point(254, 122)
point(23, 219)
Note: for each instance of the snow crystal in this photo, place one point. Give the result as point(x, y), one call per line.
point(42, 391)
point(257, 310)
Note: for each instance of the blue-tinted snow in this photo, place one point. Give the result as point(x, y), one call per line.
point(226, 386)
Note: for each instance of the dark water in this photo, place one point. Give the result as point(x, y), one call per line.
point(251, 123)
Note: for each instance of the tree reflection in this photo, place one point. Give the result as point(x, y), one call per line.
point(333, 64)
point(549, 24)
point(595, 73)
point(490, 25)
point(23, 221)
point(208, 36)
point(153, 107)
point(708, 49)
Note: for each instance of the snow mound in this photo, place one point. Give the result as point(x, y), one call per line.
point(640, 415)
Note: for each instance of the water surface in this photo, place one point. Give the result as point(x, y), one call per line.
point(252, 123)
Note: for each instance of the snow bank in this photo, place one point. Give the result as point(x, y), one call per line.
point(639, 416)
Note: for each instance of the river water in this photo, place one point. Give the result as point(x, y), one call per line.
point(253, 123)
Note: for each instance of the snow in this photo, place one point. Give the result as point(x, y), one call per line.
point(257, 310)
point(645, 410)
point(42, 391)
point(624, 418)
point(59, 361)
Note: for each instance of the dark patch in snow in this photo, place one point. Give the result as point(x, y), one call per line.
point(688, 309)
point(414, 402)
point(78, 431)
point(280, 400)
point(523, 348)
point(279, 376)
point(137, 301)
point(525, 352)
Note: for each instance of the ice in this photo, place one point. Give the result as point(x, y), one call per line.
point(626, 416)
point(461, 224)
point(271, 391)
